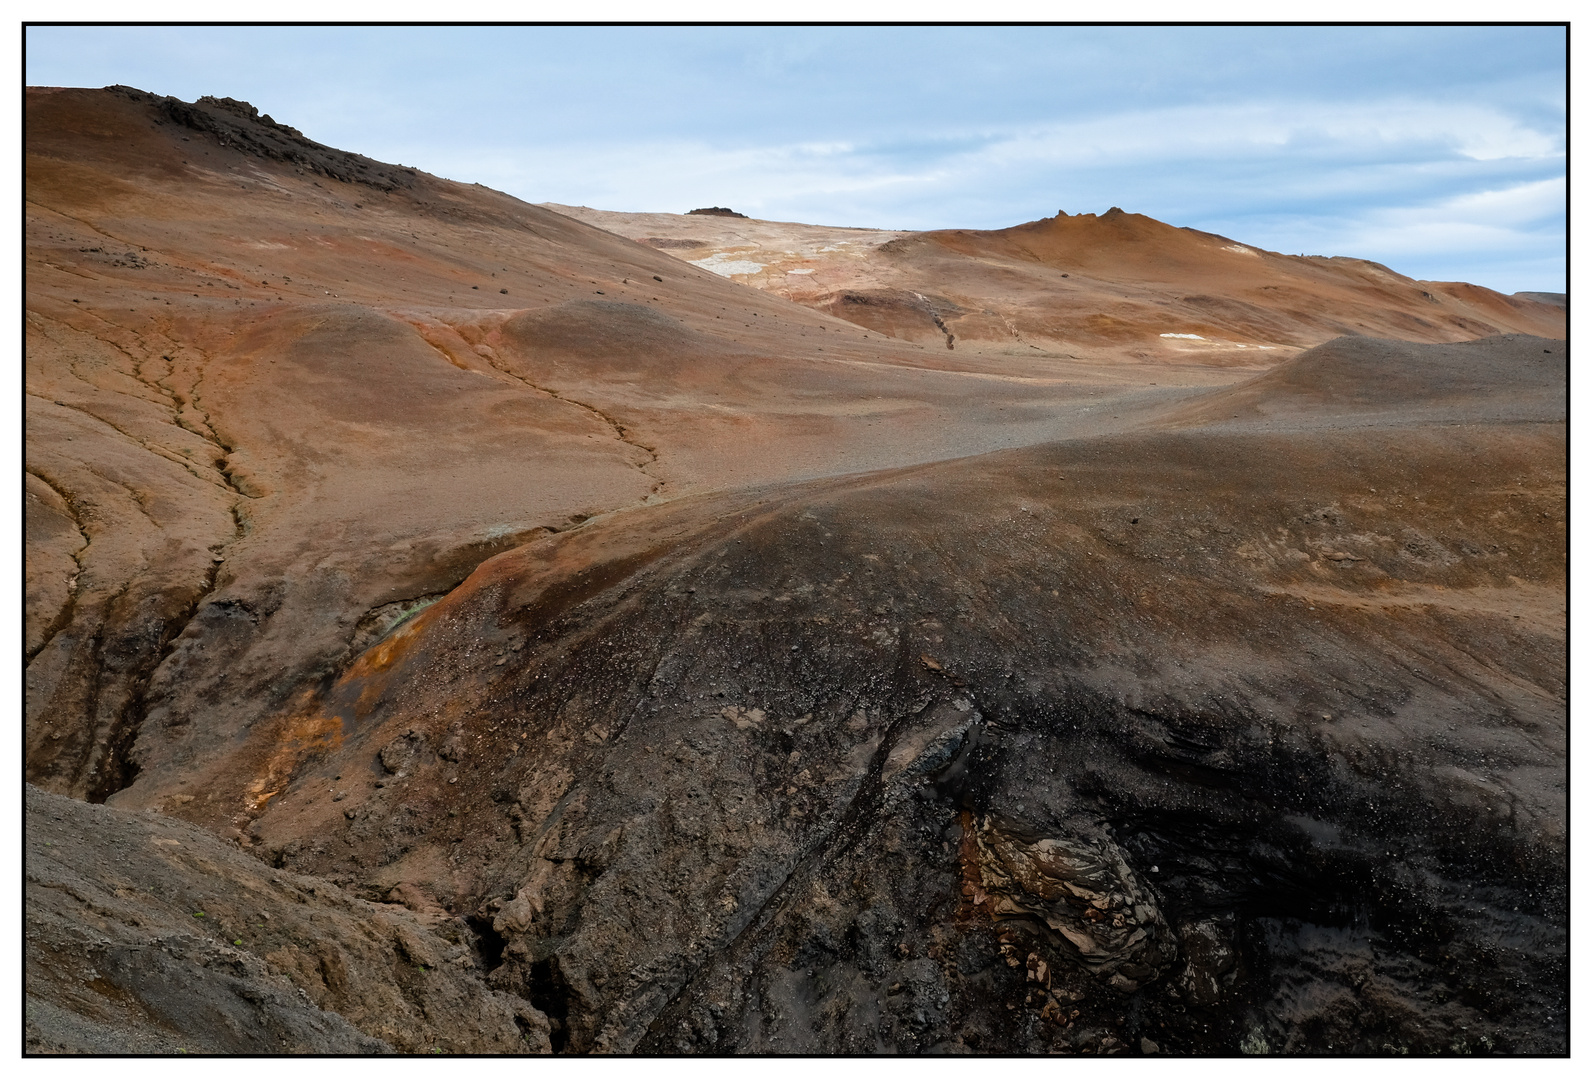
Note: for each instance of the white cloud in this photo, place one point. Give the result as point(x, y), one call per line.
point(1520, 204)
point(1501, 221)
point(1475, 132)
point(681, 175)
point(1510, 237)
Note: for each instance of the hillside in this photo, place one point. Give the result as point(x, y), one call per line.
point(1118, 286)
point(486, 633)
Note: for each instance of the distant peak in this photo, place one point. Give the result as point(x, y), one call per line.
point(717, 211)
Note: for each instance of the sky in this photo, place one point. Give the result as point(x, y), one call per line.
point(1439, 151)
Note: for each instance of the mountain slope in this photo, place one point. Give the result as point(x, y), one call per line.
point(278, 394)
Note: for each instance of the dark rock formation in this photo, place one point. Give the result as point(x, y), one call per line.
point(148, 935)
point(240, 125)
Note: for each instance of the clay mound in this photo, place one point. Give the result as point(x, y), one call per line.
point(899, 313)
point(1242, 292)
point(1505, 378)
point(1555, 299)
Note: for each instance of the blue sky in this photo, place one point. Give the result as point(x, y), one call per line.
point(1439, 151)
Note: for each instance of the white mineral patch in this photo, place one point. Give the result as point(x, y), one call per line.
point(1241, 249)
point(1191, 337)
point(725, 264)
point(806, 270)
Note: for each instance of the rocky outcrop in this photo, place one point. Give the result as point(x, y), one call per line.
point(146, 935)
point(1083, 891)
point(239, 125)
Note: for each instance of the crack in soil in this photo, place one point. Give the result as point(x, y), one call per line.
point(114, 771)
point(84, 222)
point(621, 433)
point(137, 375)
point(95, 694)
point(68, 610)
point(950, 338)
point(176, 403)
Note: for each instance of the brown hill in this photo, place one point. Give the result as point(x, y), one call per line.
point(705, 673)
point(276, 392)
point(1368, 381)
point(1119, 286)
